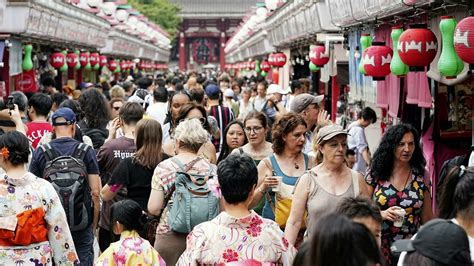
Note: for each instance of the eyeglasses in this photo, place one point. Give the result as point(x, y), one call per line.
point(202, 120)
point(255, 130)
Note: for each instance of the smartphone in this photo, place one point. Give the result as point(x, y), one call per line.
point(10, 104)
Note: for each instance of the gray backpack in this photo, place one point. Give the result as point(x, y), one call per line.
point(193, 202)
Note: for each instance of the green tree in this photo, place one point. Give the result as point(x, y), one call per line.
point(161, 12)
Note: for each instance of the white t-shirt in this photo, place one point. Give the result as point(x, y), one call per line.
point(158, 111)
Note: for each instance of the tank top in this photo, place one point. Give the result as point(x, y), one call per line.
point(289, 180)
point(321, 202)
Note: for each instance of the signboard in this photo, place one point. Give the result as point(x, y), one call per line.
point(26, 81)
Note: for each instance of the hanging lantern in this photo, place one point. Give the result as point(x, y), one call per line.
point(313, 67)
point(64, 67)
point(84, 59)
point(72, 59)
point(264, 74)
point(57, 59)
point(271, 59)
point(118, 69)
point(275, 76)
point(257, 66)
point(78, 64)
point(88, 65)
point(252, 65)
point(397, 66)
point(123, 65)
point(377, 60)
point(265, 66)
point(27, 63)
point(271, 4)
point(464, 40)
point(94, 59)
point(279, 60)
point(417, 47)
point(365, 42)
point(318, 56)
point(449, 63)
point(102, 60)
point(112, 65)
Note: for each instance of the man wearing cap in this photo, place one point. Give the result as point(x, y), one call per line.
point(64, 125)
point(229, 101)
point(274, 108)
point(296, 89)
point(308, 107)
point(222, 114)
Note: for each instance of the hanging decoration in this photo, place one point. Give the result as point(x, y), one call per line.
point(275, 76)
point(265, 66)
point(365, 42)
point(377, 60)
point(397, 66)
point(449, 63)
point(464, 40)
point(124, 65)
point(313, 67)
point(118, 69)
point(78, 64)
point(27, 63)
point(264, 74)
point(64, 67)
point(102, 60)
point(112, 65)
point(72, 59)
point(252, 65)
point(271, 59)
point(94, 59)
point(84, 59)
point(279, 60)
point(417, 47)
point(88, 65)
point(318, 56)
point(57, 60)
point(257, 66)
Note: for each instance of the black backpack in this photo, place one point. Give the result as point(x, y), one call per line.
point(68, 175)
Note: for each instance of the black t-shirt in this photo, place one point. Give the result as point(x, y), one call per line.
point(136, 179)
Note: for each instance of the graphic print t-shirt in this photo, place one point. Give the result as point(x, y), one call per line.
point(36, 130)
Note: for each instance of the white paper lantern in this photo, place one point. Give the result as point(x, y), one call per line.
point(94, 3)
point(108, 8)
point(121, 15)
point(271, 4)
point(261, 12)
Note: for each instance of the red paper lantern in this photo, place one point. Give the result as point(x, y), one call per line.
point(102, 60)
point(83, 59)
point(57, 59)
point(112, 65)
point(417, 46)
point(279, 60)
point(318, 56)
point(377, 60)
point(123, 65)
point(265, 66)
point(271, 59)
point(252, 65)
point(94, 59)
point(464, 39)
point(72, 59)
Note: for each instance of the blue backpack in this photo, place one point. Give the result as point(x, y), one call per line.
point(192, 201)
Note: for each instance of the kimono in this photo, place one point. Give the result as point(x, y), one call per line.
point(131, 250)
point(33, 225)
point(226, 239)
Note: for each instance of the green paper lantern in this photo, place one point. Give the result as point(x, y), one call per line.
point(397, 67)
point(96, 67)
point(365, 42)
point(88, 66)
point(313, 67)
point(27, 63)
point(78, 64)
point(264, 74)
point(118, 70)
point(449, 63)
point(64, 67)
point(257, 66)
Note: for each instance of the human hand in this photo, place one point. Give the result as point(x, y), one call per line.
point(15, 115)
point(270, 182)
point(116, 124)
point(390, 214)
point(324, 118)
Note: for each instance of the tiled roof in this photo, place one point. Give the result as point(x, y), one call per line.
point(212, 8)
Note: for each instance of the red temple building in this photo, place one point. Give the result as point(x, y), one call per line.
point(206, 27)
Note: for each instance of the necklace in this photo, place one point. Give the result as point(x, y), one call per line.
point(297, 166)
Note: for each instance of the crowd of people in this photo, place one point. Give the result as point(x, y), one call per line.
point(203, 170)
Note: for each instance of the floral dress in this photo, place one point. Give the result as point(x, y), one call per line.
point(226, 239)
point(37, 198)
point(410, 199)
point(131, 250)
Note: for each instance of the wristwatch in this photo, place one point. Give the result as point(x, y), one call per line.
point(261, 190)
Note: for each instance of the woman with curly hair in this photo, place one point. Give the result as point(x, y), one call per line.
point(96, 116)
point(397, 185)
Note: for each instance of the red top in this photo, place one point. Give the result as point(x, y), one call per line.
point(36, 130)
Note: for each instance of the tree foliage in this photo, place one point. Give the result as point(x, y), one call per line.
point(161, 12)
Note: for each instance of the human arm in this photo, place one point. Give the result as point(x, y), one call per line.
point(365, 190)
point(95, 185)
point(119, 178)
point(116, 124)
point(14, 115)
point(208, 151)
point(298, 207)
point(366, 156)
point(265, 181)
point(157, 195)
point(426, 212)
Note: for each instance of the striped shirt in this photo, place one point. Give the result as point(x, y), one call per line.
point(224, 116)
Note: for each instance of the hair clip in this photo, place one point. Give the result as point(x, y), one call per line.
point(5, 152)
point(462, 169)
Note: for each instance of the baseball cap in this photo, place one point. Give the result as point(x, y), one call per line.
point(212, 90)
point(328, 132)
point(440, 240)
point(274, 88)
point(229, 93)
point(301, 101)
point(65, 113)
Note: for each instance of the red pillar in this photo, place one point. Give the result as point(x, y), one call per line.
point(222, 53)
point(182, 52)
